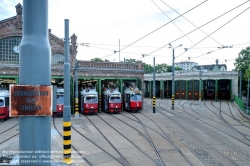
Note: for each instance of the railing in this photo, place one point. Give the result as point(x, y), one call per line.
point(242, 104)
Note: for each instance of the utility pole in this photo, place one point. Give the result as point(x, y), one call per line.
point(240, 83)
point(153, 101)
point(173, 96)
point(119, 50)
point(247, 95)
point(173, 90)
point(35, 70)
point(76, 91)
point(200, 86)
point(66, 113)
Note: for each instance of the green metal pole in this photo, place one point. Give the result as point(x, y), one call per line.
point(100, 94)
point(150, 90)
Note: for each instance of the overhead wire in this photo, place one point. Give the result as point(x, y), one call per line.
point(158, 47)
point(175, 24)
point(160, 27)
point(215, 30)
point(199, 27)
point(190, 22)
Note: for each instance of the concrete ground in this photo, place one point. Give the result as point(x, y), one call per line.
point(194, 133)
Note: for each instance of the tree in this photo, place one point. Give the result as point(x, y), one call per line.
point(99, 60)
point(148, 68)
point(243, 61)
point(130, 60)
point(161, 68)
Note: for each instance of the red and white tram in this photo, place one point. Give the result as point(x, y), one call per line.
point(132, 99)
point(4, 103)
point(112, 102)
point(59, 101)
point(89, 101)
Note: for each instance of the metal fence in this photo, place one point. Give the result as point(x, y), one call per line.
point(242, 104)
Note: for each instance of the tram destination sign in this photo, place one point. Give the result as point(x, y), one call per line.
point(30, 100)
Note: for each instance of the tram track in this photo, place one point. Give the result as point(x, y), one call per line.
point(222, 118)
point(150, 141)
point(197, 125)
point(163, 135)
point(7, 131)
point(71, 145)
point(222, 139)
point(235, 118)
point(125, 137)
point(124, 159)
point(211, 119)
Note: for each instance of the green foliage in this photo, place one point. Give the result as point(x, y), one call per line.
point(99, 60)
point(148, 68)
point(130, 60)
point(243, 61)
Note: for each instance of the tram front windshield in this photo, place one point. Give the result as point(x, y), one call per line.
point(91, 99)
point(136, 97)
point(60, 99)
point(115, 99)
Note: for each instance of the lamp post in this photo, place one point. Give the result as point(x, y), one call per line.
point(173, 95)
point(153, 101)
point(240, 83)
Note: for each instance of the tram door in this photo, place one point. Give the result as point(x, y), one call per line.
point(196, 90)
point(190, 90)
point(177, 89)
point(183, 89)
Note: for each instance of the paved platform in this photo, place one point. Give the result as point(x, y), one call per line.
point(192, 134)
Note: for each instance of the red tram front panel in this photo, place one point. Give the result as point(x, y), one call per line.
point(135, 105)
point(90, 108)
point(115, 107)
point(59, 108)
point(4, 112)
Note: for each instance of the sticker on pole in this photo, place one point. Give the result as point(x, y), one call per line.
point(30, 100)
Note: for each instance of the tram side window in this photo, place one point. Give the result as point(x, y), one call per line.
point(6, 101)
point(1, 102)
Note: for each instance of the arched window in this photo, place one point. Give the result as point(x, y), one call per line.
point(57, 59)
point(9, 49)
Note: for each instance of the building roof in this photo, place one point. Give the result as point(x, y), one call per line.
point(184, 62)
point(209, 67)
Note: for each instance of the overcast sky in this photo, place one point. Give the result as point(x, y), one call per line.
point(101, 23)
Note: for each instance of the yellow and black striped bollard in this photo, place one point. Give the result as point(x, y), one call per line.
point(153, 103)
point(67, 142)
point(172, 102)
point(76, 106)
